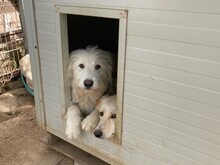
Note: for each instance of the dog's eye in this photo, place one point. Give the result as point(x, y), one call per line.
point(81, 66)
point(113, 116)
point(101, 113)
point(97, 67)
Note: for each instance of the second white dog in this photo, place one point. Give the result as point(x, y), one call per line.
point(107, 112)
point(90, 74)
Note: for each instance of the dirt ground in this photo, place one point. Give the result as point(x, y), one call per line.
point(20, 136)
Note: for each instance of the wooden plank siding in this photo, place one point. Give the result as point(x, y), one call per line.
point(172, 87)
point(192, 6)
point(171, 110)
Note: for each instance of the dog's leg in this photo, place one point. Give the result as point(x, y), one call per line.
point(91, 121)
point(73, 122)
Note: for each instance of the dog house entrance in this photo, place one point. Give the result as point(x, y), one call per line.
point(79, 27)
point(87, 30)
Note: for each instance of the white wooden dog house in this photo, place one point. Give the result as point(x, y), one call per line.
point(168, 76)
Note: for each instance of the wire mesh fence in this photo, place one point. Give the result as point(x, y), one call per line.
point(11, 40)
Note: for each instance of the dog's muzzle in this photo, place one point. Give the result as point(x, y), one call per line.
point(88, 83)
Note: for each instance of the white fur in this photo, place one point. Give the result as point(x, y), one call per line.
point(73, 120)
point(106, 125)
point(91, 121)
point(83, 99)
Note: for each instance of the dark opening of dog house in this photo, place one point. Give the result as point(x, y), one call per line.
point(93, 43)
point(87, 30)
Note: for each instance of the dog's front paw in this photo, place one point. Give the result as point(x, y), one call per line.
point(73, 122)
point(89, 123)
point(72, 133)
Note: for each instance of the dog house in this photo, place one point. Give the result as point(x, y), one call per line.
point(168, 89)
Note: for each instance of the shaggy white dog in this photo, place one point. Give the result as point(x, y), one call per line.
point(107, 112)
point(90, 74)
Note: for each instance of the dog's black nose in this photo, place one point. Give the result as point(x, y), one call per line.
point(98, 133)
point(88, 83)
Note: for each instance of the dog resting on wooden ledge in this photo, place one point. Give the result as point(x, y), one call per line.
point(106, 106)
point(90, 73)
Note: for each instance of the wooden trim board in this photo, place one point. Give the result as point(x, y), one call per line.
point(75, 153)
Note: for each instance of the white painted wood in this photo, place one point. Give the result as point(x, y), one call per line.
point(172, 75)
point(178, 114)
point(143, 144)
point(52, 66)
point(31, 36)
point(49, 73)
point(175, 33)
point(88, 142)
point(172, 100)
point(42, 6)
point(198, 137)
point(120, 72)
point(48, 47)
point(46, 27)
point(51, 89)
point(45, 17)
point(52, 112)
point(143, 154)
point(177, 19)
point(196, 66)
point(48, 56)
point(174, 48)
point(173, 88)
point(205, 6)
point(47, 37)
point(63, 57)
point(52, 94)
point(90, 11)
point(175, 75)
point(163, 148)
point(49, 82)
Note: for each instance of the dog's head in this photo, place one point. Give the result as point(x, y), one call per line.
point(107, 112)
point(90, 69)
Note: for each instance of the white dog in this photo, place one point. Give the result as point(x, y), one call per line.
point(107, 112)
point(90, 74)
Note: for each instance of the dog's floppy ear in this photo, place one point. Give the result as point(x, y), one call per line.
point(98, 101)
point(69, 72)
point(71, 65)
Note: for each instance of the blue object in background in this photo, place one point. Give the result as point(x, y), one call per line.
point(31, 91)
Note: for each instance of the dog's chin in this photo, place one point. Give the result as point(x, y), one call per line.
point(88, 90)
point(107, 137)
